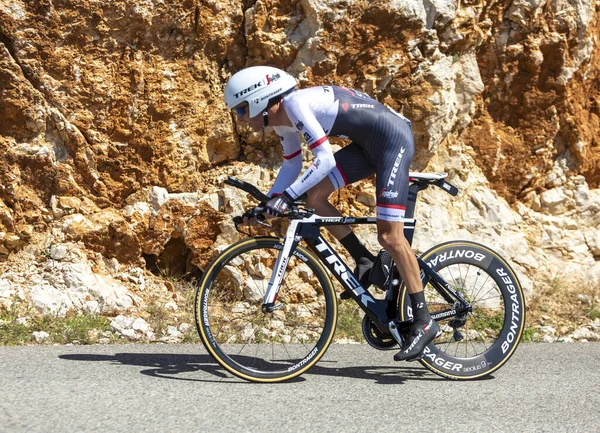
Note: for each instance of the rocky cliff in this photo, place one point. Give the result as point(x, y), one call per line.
point(114, 139)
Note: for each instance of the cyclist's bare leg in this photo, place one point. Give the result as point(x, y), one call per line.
point(318, 199)
point(424, 328)
point(391, 237)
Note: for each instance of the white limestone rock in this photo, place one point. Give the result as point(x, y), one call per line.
point(140, 208)
point(157, 197)
point(50, 300)
point(184, 328)
point(130, 334)
point(524, 12)
point(171, 306)
point(40, 336)
point(140, 325)
point(554, 201)
point(583, 334)
point(121, 323)
point(59, 251)
point(173, 335)
point(189, 198)
point(7, 293)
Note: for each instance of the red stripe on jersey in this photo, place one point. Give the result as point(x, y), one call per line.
point(391, 206)
point(343, 174)
point(293, 155)
point(318, 142)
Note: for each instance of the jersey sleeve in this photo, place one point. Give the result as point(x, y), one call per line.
point(292, 160)
point(309, 127)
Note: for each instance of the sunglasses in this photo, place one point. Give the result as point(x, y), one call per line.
point(240, 111)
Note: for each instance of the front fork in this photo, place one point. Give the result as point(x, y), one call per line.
point(289, 245)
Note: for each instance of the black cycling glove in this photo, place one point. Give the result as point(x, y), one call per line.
point(277, 206)
point(255, 213)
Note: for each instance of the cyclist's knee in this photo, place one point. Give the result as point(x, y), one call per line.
point(393, 240)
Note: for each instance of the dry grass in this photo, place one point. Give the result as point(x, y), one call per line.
point(184, 288)
point(349, 325)
point(565, 302)
point(17, 327)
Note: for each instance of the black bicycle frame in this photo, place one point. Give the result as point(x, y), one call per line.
point(375, 309)
point(381, 312)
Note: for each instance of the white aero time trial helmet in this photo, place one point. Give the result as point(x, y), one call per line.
point(257, 85)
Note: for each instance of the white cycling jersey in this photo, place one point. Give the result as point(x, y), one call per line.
point(320, 112)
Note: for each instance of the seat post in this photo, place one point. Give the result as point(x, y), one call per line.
point(413, 191)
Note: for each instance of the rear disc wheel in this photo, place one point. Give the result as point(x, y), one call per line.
point(477, 342)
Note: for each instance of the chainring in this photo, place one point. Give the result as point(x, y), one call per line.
point(375, 337)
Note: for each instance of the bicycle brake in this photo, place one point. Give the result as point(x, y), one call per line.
point(254, 214)
point(269, 308)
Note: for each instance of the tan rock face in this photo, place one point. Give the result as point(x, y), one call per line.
point(541, 69)
point(110, 112)
point(134, 89)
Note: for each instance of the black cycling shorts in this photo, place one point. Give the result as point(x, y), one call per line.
point(388, 154)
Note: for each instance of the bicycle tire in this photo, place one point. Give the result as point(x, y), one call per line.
point(492, 331)
point(258, 346)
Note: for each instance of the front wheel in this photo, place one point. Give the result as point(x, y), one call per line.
point(479, 342)
point(258, 345)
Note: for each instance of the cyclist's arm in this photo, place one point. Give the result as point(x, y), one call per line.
point(292, 160)
point(318, 142)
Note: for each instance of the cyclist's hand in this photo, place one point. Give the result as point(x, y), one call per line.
point(252, 216)
point(277, 206)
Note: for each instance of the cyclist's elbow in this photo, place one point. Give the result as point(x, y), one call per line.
point(327, 164)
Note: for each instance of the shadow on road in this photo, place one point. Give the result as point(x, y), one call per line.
point(173, 366)
point(162, 365)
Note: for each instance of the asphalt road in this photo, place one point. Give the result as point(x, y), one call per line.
point(178, 388)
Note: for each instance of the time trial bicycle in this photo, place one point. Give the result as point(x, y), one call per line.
point(266, 308)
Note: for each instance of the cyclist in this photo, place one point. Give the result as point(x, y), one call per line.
point(382, 144)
